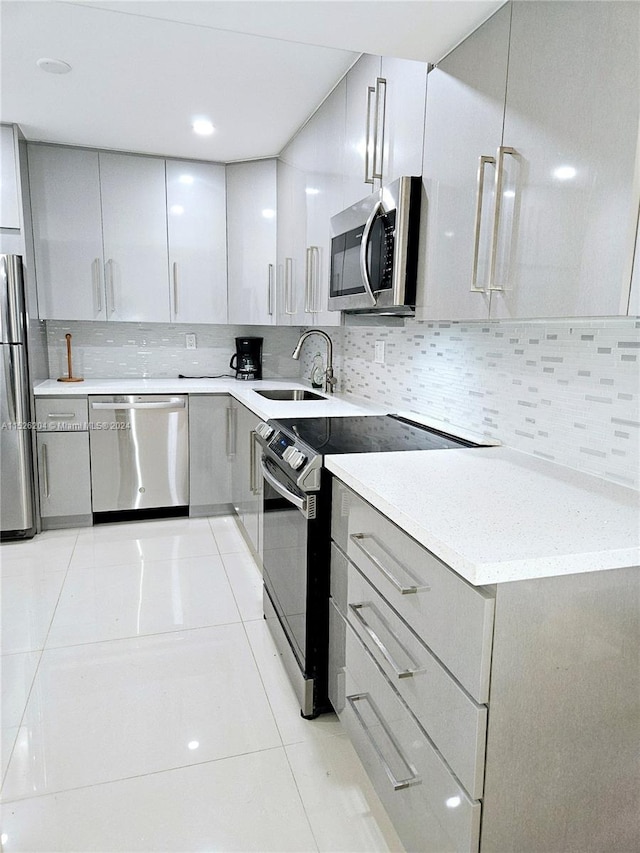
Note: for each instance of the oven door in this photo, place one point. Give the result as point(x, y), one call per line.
point(285, 546)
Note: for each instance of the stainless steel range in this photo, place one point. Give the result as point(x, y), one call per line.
point(297, 524)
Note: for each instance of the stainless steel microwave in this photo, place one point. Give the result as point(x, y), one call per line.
point(374, 251)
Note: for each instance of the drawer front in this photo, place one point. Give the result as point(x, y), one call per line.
point(430, 810)
point(453, 618)
point(454, 722)
point(56, 414)
point(337, 643)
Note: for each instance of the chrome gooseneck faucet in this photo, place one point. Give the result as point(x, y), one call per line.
point(329, 380)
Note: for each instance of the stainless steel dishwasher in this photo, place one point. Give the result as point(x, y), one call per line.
point(139, 452)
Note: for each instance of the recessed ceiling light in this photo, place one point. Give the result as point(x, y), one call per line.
point(203, 127)
point(53, 66)
point(565, 173)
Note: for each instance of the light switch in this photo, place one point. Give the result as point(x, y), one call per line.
point(379, 352)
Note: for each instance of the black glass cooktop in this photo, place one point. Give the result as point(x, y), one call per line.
point(367, 434)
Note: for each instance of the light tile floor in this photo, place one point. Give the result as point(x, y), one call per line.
point(144, 705)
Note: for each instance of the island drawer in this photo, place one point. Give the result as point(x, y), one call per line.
point(453, 618)
point(452, 719)
point(429, 808)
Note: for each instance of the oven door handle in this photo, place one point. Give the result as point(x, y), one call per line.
point(296, 500)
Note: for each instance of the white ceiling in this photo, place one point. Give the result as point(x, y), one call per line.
point(142, 70)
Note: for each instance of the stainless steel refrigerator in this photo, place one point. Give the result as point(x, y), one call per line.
point(17, 517)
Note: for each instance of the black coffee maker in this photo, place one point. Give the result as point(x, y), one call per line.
point(247, 359)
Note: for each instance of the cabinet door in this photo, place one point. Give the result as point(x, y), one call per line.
point(359, 128)
point(464, 116)
point(67, 231)
point(64, 474)
point(634, 297)
point(406, 86)
point(210, 453)
point(247, 482)
point(572, 118)
point(251, 240)
point(196, 216)
point(9, 198)
point(324, 195)
point(134, 214)
point(291, 276)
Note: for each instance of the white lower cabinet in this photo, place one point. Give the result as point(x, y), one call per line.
point(546, 762)
point(210, 453)
point(64, 469)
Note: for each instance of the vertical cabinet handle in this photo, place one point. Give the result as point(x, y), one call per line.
point(368, 141)
point(288, 295)
point(270, 289)
point(175, 288)
point(380, 119)
point(230, 437)
point(97, 284)
point(45, 472)
point(109, 277)
point(307, 281)
point(482, 165)
point(315, 279)
point(502, 152)
point(253, 467)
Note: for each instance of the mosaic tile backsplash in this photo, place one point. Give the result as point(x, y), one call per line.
point(111, 350)
point(563, 390)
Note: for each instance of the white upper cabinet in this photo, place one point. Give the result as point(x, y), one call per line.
point(362, 97)
point(9, 196)
point(196, 216)
point(134, 216)
point(464, 117)
point(405, 84)
point(291, 273)
point(634, 296)
point(251, 241)
point(310, 186)
point(572, 120)
point(531, 197)
point(385, 104)
point(67, 228)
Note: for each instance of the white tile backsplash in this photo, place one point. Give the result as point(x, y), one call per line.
point(564, 390)
point(112, 350)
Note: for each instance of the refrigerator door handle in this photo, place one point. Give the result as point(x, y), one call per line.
point(9, 374)
point(11, 300)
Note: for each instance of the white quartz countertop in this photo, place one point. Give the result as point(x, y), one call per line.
point(335, 405)
point(496, 514)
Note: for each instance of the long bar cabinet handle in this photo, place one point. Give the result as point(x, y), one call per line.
point(112, 291)
point(315, 279)
point(398, 784)
point(95, 272)
point(400, 671)
point(368, 178)
point(175, 288)
point(359, 540)
point(307, 281)
point(483, 162)
point(288, 276)
point(231, 435)
point(378, 141)
point(270, 289)
point(45, 472)
point(502, 152)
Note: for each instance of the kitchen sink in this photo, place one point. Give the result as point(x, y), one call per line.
point(289, 394)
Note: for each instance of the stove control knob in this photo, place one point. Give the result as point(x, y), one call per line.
point(288, 453)
point(264, 430)
point(296, 460)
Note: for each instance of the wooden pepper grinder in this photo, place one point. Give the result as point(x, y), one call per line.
point(70, 377)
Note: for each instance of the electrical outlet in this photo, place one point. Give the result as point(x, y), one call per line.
point(379, 352)
point(191, 341)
